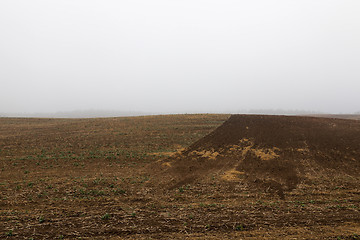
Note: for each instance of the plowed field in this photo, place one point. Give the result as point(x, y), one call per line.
point(180, 177)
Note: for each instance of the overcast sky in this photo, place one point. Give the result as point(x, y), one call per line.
point(179, 55)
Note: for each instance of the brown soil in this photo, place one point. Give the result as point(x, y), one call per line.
point(254, 177)
point(273, 153)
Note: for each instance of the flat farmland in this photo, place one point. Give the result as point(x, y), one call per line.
point(106, 178)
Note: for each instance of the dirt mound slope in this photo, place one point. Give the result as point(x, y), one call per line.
point(273, 153)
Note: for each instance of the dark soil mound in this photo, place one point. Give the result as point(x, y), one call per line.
point(274, 153)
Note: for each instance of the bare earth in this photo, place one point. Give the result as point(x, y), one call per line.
point(180, 177)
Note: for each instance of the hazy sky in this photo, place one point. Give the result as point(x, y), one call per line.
point(179, 55)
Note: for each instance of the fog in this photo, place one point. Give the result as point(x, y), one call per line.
point(179, 56)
